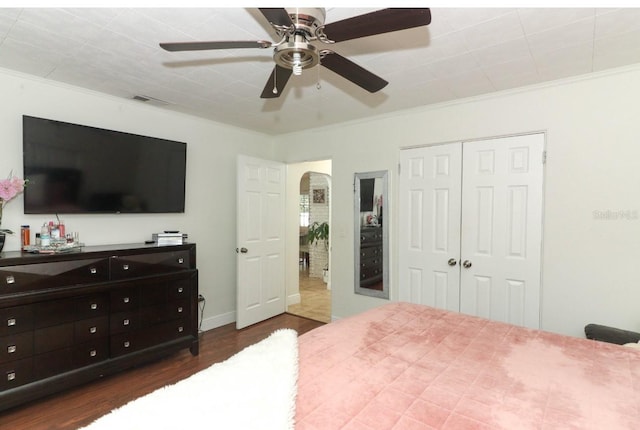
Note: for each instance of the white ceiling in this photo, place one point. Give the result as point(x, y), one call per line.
point(463, 52)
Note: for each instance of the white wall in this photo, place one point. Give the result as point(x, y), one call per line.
point(590, 264)
point(590, 269)
point(209, 216)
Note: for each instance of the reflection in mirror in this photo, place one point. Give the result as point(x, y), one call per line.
point(371, 234)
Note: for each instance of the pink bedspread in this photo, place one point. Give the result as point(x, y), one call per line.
point(405, 366)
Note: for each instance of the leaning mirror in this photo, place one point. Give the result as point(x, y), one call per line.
point(371, 234)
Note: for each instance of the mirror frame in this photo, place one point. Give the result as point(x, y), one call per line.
point(382, 175)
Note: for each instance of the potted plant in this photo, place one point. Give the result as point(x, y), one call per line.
point(320, 231)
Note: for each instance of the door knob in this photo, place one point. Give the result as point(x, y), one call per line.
point(466, 264)
point(243, 250)
point(452, 262)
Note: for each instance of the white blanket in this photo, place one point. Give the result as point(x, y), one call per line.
point(254, 389)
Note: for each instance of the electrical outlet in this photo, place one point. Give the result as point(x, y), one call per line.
point(200, 298)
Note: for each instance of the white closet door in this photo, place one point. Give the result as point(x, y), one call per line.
point(430, 181)
point(477, 205)
point(502, 229)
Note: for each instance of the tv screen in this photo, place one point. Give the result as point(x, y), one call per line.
point(367, 187)
point(75, 168)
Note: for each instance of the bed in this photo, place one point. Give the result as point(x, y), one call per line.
point(406, 366)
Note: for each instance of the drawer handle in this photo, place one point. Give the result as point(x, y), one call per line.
point(125, 267)
point(93, 353)
point(11, 322)
point(180, 329)
point(125, 322)
point(180, 290)
point(11, 279)
point(126, 344)
point(180, 260)
point(11, 349)
point(125, 300)
point(93, 330)
point(179, 309)
point(93, 270)
point(11, 376)
point(94, 306)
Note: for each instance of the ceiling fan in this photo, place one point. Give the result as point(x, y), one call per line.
point(298, 27)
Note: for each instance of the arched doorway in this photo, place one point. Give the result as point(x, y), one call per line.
point(314, 280)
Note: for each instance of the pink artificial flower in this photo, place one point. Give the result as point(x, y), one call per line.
point(10, 187)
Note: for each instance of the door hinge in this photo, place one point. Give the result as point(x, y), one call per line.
point(399, 168)
point(544, 157)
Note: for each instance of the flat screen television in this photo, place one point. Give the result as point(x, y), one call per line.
point(77, 169)
point(367, 187)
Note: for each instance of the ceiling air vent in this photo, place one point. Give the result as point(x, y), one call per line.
point(149, 100)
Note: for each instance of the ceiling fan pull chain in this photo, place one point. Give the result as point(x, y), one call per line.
point(275, 84)
point(318, 86)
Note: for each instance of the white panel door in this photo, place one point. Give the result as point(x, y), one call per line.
point(502, 229)
point(430, 182)
point(477, 205)
point(260, 240)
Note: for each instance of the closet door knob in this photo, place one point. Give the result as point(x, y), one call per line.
point(452, 262)
point(466, 264)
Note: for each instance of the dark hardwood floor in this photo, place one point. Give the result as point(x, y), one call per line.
point(80, 406)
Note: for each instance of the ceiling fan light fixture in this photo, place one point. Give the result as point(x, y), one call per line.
point(297, 53)
point(297, 65)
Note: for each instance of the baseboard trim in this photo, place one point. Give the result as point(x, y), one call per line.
point(294, 299)
point(218, 321)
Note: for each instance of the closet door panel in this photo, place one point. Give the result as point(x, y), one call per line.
point(502, 229)
point(430, 183)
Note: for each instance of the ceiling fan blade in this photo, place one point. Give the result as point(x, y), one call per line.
point(378, 22)
point(200, 46)
point(351, 71)
point(277, 16)
point(280, 80)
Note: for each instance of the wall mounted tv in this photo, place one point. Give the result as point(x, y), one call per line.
point(79, 169)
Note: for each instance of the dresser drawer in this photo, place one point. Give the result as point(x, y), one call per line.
point(91, 306)
point(126, 343)
point(91, 352)
point(26, 277)
point(125, 299)
point(90, 329)
point(124, 322)
point(371, 252)
point(16, 373)
point(53, 313)
point(179, 289)
point(52, 363)
point(16, 320)
point(156, 263)
point(153, 293)
point(52, 338)
point(370, 235)
point(16, 347)
point(371, 273)
point(165, 312)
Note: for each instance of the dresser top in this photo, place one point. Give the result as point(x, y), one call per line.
point(9, 258)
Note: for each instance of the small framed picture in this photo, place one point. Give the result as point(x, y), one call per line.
point(319, 196)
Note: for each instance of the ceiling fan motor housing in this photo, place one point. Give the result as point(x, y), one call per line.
point(297, 53)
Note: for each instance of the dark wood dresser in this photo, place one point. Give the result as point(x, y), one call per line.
point(370, 256)
point(66, 319)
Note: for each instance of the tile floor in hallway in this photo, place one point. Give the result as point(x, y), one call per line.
point(315, 298)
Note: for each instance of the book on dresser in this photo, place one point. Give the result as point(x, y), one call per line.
point(67, 319)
